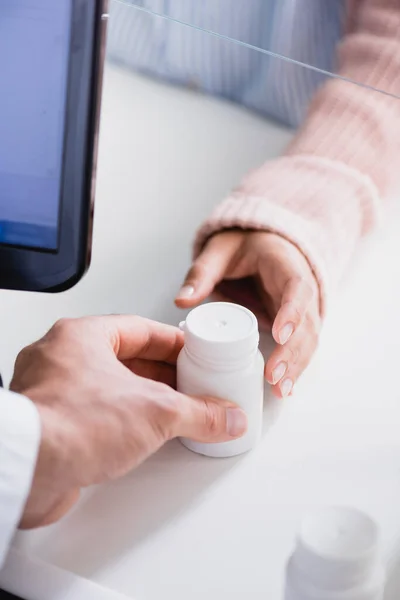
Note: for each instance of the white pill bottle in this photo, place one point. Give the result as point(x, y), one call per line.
point(336, 558)
point(221, 359)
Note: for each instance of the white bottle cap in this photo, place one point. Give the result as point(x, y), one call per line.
point(221, 331)
point(337, 549)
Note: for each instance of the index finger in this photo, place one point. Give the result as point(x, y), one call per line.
point(136, 337)
point(209, 268)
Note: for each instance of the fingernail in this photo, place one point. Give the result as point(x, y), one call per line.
point(279, 372)
point(286, 387)
point(186, 291)
point(285, 333)
point(236, 422)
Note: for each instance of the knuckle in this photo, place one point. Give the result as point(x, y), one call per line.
point(63, 326)
point(294, 352)
point(297, 312)
point(311, 290)
point(297, 280)
point(309, 348)
point(314, 340)
point(70, 328)
point(304, 286)
point(25, 352)
point(315, 336)
point(25, 355)
point(304, 362)
point(26, 365)
point(212, 418)
point(168, 412)
point(314, 329)
point(308, 287)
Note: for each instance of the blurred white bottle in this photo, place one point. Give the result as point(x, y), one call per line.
point(221, 359)
point(336, 558)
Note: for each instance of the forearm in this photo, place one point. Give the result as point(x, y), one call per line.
point(353, 125)
point(328, 189)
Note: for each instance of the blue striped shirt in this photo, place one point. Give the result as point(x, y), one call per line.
point(178, 50)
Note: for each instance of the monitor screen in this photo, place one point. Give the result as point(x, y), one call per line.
point(34, 51)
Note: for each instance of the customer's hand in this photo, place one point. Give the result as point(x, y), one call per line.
point(283, 289)
point(102, 386)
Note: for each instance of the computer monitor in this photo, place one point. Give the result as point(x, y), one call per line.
point(51, 60)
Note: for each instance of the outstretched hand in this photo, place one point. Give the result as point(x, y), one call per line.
point(284, 291)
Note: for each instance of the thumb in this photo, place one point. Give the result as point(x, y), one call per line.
point(209, 268)
point(210, 420)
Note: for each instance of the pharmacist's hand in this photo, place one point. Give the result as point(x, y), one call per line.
point(102, 386)
point(283, 289)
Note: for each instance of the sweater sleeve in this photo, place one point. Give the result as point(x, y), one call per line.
point(327, 191)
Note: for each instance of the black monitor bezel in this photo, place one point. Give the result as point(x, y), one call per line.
point(7, 596)
point(34, 269)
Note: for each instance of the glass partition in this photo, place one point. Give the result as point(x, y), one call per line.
point(317, 35)
point(197, 95)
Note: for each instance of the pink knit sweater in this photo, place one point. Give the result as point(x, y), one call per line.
point(327, 191)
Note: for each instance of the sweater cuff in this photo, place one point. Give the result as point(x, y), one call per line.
point(321, 206)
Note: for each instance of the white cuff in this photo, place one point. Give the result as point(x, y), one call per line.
point(20, 433)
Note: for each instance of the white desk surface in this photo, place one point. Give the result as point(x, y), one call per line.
point(183, 527)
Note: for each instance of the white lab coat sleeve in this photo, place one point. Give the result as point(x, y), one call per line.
point(20, 433)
